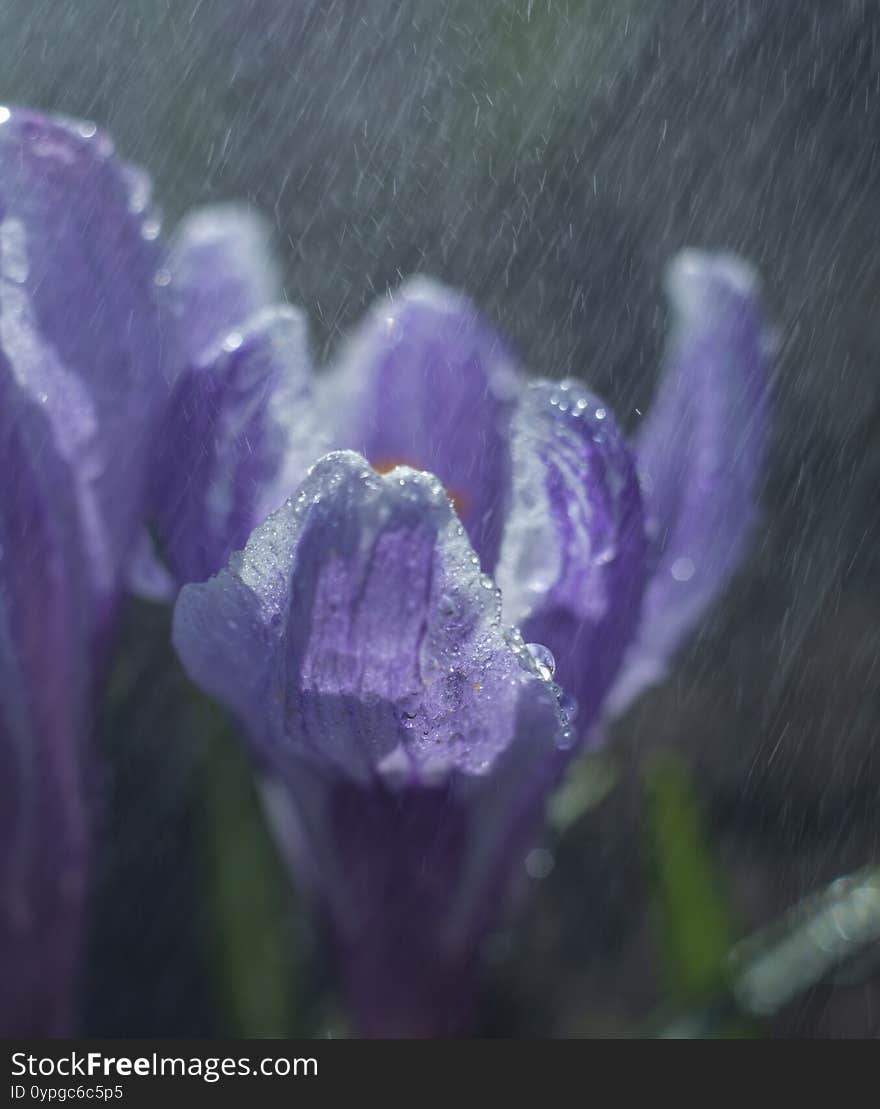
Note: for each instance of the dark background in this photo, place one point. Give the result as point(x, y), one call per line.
point(548, 158)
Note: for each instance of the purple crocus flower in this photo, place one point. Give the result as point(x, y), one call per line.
point(80, 394)
point(425, 382)
point(407, 735)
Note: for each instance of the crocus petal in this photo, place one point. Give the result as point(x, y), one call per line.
point(239, 429)
point(572, 564)
point(362, 648)
point(78, 259)
point(218, 272)
point(44, 679)
point(425, 382)
point(80, 392)
point(700, 455)
point(363, 588)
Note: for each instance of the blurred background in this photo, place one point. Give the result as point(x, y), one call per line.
point(548, 157)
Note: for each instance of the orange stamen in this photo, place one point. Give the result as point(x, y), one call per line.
point(386, 465)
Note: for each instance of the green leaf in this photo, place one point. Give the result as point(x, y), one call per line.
point(254, 941)
point(694, 921)
point(587, 784)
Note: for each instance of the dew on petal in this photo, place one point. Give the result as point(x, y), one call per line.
point(544, 660)
point(682, 569)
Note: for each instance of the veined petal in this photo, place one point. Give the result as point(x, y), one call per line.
point(239, 435)
point(78, 316)
point(358, 641)
point(700, 455)
point(382, 648)
point(572, 566)
point(218, 272)
point(425, 382)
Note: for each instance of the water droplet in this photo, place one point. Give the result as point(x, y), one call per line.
point(601, 413)
point(5, 114)
point(233, 341)
point(565, 739)
point(683, 569)
point(539, 863)
point(544, 660)
point(568, 707)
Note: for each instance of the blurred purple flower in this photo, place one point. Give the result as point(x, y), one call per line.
point(80, 394)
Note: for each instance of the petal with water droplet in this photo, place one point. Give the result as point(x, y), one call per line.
point(572, 568)
point(78, 315)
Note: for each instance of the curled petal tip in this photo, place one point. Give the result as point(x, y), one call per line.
point(420, 289)
point(709, 289)
point(721, 268)
point(216, 223)
point(220, 270)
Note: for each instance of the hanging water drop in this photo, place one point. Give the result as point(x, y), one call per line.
point(543, 659)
